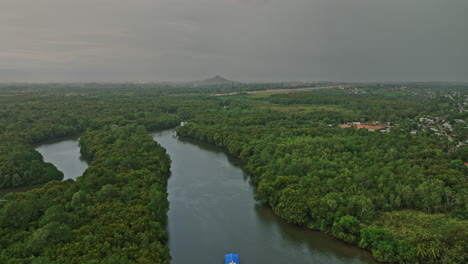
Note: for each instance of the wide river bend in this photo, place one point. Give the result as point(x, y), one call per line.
point(213, 212)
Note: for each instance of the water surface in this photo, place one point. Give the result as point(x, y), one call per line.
point(65, 155)
point(213, 212)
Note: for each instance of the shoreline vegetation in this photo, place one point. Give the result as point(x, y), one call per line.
point(114, 213)
point(391, 239)
point(401, 194)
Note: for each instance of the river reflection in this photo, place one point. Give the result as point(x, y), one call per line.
point(321, 246)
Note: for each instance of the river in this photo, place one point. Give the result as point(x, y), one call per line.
point(65, 155)
point(213, 212)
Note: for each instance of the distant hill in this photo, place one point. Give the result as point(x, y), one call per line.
point(217, 80)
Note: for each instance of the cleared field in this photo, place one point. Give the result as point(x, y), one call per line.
point(363, 126)
point(283, 90)
point(294, 108)
point(259, 95)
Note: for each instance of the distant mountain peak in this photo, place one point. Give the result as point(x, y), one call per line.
point(216, 80)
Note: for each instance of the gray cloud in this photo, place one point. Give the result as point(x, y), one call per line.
point(246, 40)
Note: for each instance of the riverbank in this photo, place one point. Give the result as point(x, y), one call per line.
point(63, 153)
point(211, 198)
point(310, 177)
point(120, 200)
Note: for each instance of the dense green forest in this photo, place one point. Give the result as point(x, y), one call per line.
point(400, 195)
point(400, 191)
point(114, 213)
point(41, 114)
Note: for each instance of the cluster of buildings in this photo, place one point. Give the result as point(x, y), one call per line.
point(435, 125)
point(441, 127)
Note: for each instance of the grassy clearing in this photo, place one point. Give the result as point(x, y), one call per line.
point(294, 108)
point(259, 95)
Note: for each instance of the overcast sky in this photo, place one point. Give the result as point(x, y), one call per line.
point(242, 40)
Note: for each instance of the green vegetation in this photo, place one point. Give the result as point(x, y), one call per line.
point(347, 181)
point(401, 194)
point(114, 213)
point(21, 164)
point(29, 115)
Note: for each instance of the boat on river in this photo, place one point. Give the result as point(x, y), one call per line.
point(231, 259)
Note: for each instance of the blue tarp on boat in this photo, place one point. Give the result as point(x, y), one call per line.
point(231, 259)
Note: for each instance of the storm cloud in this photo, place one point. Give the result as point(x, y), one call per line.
point(243, 40)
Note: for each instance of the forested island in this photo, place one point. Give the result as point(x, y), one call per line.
point(380, 166)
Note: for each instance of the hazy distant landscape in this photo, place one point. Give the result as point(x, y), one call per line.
point(181, 131)
point(380, 166)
